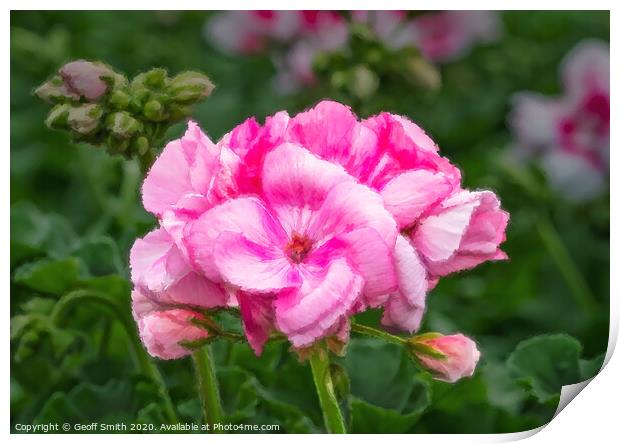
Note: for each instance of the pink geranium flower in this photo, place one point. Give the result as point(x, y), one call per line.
point(316, 241)
point(570, 132)
point(305, 221)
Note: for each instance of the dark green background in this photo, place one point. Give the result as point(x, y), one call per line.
point(75, 212)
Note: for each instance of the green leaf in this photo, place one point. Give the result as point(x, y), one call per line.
point(50, 275)
point(368, 418)
point(380, 373)
point(87, 402)
point(589, 368)
point(101, 256)
point(502, 390)
point(546, 363)
point(34, 233)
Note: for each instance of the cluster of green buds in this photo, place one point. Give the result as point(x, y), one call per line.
point(368, 63)
point(99, 106)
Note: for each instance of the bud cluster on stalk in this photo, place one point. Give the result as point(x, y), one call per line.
point(99, 106)
point(360, 70)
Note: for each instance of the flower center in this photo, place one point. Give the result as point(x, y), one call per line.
point(298, 248)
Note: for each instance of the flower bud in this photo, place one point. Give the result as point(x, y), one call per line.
point(120, 99)
point(448, 358)
point(54, 91)
point(154, 110)
point(57, 118)
point(190, 86)
point(156, 78)
point(141, 145)
point(84, 119)
point(86, 79)
point(364, 82)
point(122, 125)
point(422, 73)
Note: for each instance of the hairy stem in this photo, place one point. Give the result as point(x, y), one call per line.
point(319, 362)
point(378, 334)
point(207, 385)
point(146, 365)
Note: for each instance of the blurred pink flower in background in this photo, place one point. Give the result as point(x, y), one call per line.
point(570, 133)
point(440, 36)
point(449, 35)
point(303, 222)
point(393, 28)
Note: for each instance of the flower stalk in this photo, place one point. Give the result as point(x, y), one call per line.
point(319, 363)
point(207, 386)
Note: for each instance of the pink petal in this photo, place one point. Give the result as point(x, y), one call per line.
point(481, 239)
point(293, 176)
point(308, 313)
point(587, 67)
point(326, 130)
point(257, 315)
point(155, 261)
point(439, 235)
point(160, 271)
point(411, 193)
point(245, 215)
point(185, 165)
point(405, 308)
point(253, 267)
point(369, 256)
point(350, 206)
point(296, 183)
point(534, 120)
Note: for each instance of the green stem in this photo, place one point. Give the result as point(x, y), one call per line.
point(146, 365)
point(319, 362)
point(567, 267)
point(379, 334)
point(207, 385)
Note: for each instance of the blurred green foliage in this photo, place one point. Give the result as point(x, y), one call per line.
point(75, 212)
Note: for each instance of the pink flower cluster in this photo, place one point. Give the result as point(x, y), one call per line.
point(295, 38)
point(303, 222)
point(570, 133)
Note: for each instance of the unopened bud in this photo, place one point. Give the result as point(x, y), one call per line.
point(120, 99)
point(155, 78)
point(364, 82)
point(179, 112)
point(84, 119)
point(87, 79)
point(449, 358)
point(190, 86)
point(122, 125)
point(57, 118)
point(154, 110)
point(54, 91)
point(141, 145)
point(422, 73)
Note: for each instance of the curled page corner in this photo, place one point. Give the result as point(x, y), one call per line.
point(569, 392)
